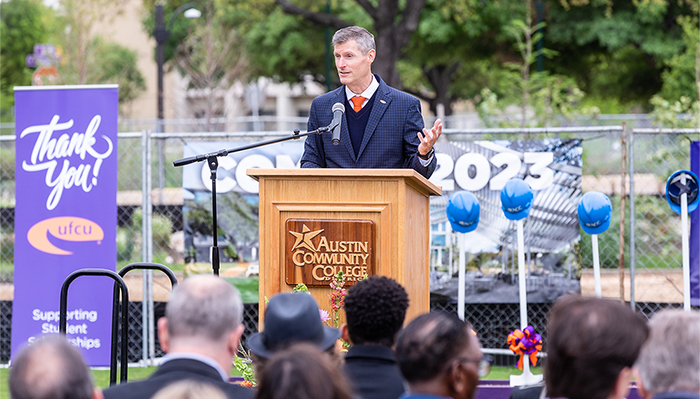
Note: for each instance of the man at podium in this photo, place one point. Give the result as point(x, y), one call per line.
point(380, 126)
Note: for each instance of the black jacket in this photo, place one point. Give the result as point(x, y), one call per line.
point(173, 371)
point(373, 372)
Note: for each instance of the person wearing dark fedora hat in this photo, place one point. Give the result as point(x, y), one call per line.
point(292, 318)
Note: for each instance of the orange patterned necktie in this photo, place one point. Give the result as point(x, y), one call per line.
point(357, 102)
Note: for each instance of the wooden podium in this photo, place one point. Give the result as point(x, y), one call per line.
point(314, 222)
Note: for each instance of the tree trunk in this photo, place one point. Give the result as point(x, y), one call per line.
point(440, 77)
point(387, 56)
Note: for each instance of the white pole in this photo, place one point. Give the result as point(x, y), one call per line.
point(146, 192)
point(526, 378)
point(460, 282)
point(523, 289)
point(686, 255)
point(596, 266)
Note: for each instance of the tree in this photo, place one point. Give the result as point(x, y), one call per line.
point(87, 57)
point(211, 58)
point(77, 19)
point(616, 49)
point(393, 26)
point(285, 47)
point(680, 94)
point(116, 64)
point(23, 24)
point(445, 60)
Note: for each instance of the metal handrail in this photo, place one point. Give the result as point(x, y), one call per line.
point(125, 318)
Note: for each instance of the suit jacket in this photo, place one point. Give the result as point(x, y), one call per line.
point(173, 371)
point(390, 140)
point(373, 372)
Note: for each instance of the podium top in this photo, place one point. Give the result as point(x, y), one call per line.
point(414, 178)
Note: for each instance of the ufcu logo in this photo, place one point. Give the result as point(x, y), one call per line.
point(67, 228)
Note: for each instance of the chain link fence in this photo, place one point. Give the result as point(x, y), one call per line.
point(652, 265)
point(654, 261)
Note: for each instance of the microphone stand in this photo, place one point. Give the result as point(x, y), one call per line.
point(213, 163)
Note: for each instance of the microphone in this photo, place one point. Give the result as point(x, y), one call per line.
point(338, 111)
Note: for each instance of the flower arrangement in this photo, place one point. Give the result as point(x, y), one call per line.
point(243, 363)
point(525, 343)
point(301, 287)
point(337, 297)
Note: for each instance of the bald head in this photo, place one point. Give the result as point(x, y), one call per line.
point(50, 368)
point(204, 307)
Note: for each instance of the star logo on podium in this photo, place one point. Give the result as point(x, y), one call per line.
point(303, 239)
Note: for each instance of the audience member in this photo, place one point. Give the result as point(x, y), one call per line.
point(375, 309)
point(669, 364)
point(290, 318)
point(302, 372)
point(591, 348)
point(440, 357)
point(51, 368)
point(200, 334)
point(190, 389)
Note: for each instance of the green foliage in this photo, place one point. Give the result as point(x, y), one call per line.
point(519, 30)
point(243, 366)
point(616, 49)
point(286, 48)
point(679, 94)
point(23, 24)
point(454, 49)
point(247, 286)
point(550, 95)
point(161, 230)
point(125, 246)
point(657, 237)
point(540, 95)
point(178, 30)
point(7, 164)
point(116, 64)
point(28, 22)
point(7, 246)
point(109, 63)
point(667, 113)
point(301, 287)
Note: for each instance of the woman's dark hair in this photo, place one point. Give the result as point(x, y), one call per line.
point(302, 372)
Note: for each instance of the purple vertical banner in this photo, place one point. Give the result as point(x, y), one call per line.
point(65, 213)
point(695, 233)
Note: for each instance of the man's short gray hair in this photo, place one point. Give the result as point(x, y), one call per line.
point(204, 306)
point(670, 359)
point(364, 39)
point(50, 368)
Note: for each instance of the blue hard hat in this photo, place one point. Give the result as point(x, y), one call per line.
point(463, 211)
point(516, 199)
point(675, 188)
point(594, 212)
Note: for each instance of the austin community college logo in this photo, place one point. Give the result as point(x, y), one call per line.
point(331, 246)
point(67, 228)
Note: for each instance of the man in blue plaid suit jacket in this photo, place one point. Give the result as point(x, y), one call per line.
point(381, 127)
